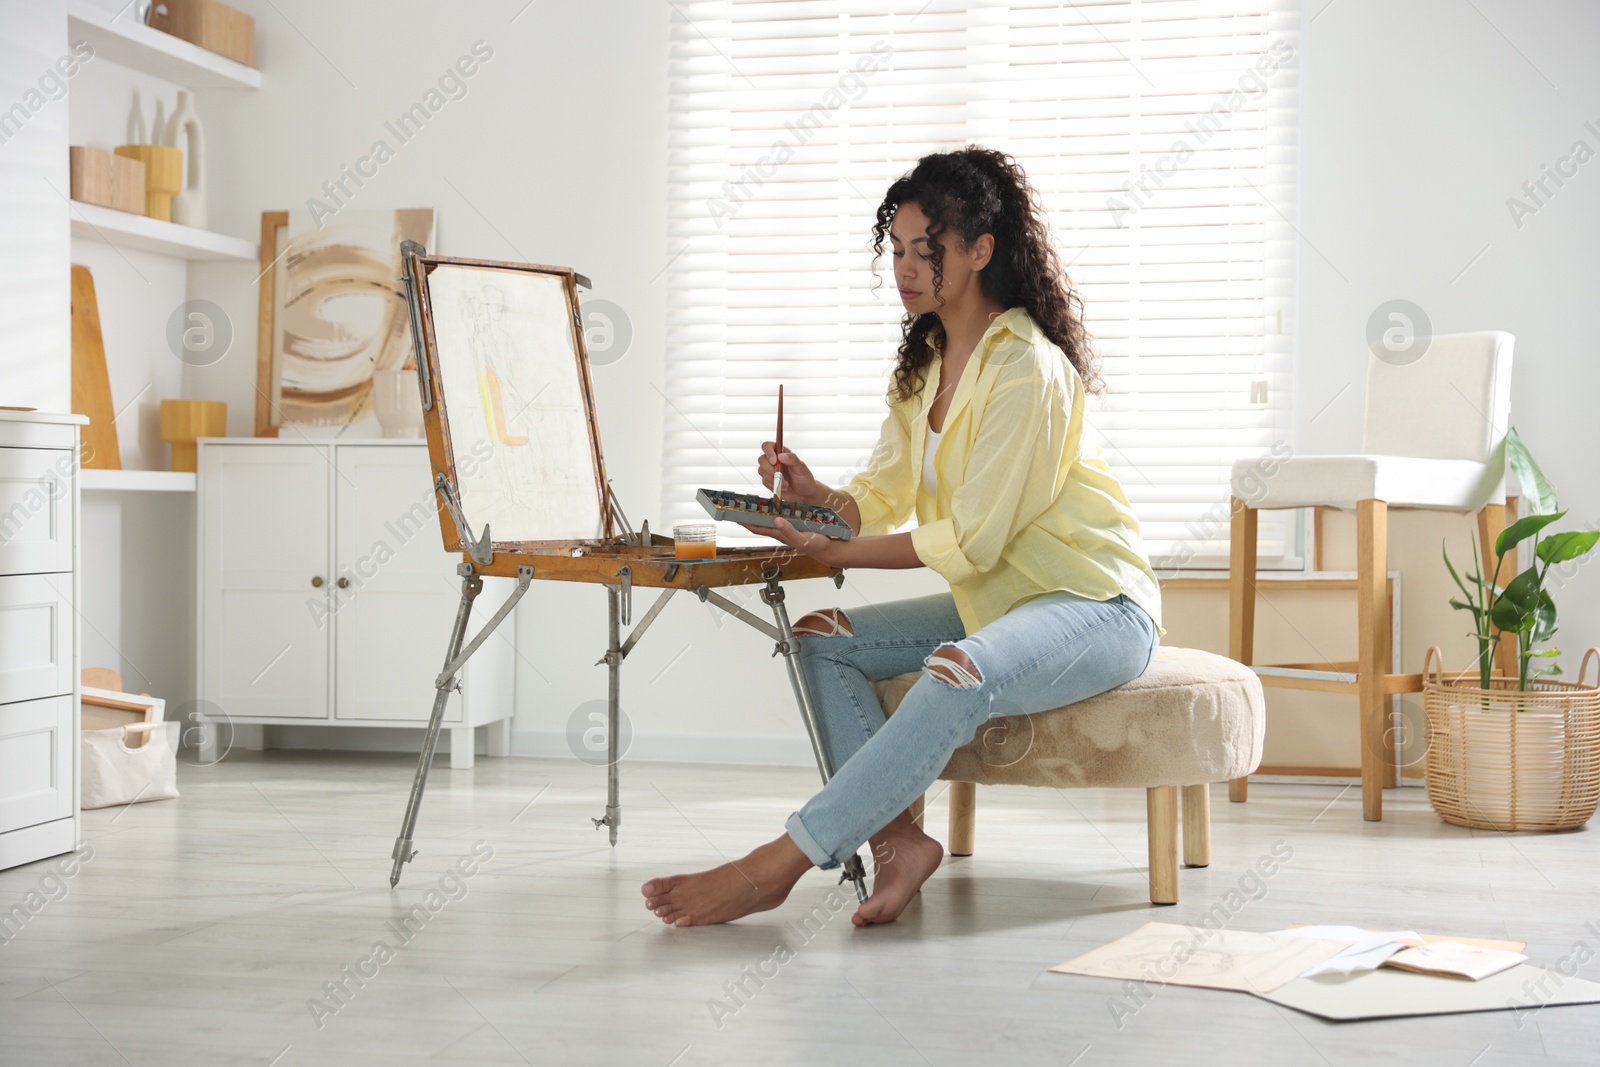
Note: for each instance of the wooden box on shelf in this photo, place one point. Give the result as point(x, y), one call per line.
point(107, 179)
point(183, 422)
point(213, 26)
point(163, 176)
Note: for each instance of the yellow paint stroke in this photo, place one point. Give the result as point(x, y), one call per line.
point(494, 411)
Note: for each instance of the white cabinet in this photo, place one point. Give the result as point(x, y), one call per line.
point(264, 539)
point(38, 636)
point(325, 595)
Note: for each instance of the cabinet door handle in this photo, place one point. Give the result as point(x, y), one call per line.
point(316, 583)
point(344, 583)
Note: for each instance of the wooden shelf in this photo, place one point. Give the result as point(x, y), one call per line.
point(119, 481)
point(123, 229)
point(122, 39)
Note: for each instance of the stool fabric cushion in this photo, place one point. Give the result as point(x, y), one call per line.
point(1191, 718)
point(1339, 481)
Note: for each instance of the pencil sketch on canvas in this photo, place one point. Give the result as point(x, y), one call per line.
point(508, 372)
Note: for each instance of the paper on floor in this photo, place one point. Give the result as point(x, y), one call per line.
point(1452, 959)
point(1390, 992)
point(1367, 952)
point(1211, 959)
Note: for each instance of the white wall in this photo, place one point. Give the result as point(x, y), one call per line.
point(556, 154)
point(35, 301)
point(1419, 121)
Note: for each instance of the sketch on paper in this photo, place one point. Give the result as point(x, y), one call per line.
point(1199, 956)
point(509, 374)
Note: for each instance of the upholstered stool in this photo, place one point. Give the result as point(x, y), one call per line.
point(1191, 719)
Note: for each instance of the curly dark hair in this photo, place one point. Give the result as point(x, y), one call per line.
point(969, 192)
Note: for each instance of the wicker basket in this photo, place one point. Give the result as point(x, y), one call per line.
point(1503, 759)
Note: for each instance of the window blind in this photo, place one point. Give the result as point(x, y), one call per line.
point(1161, 137)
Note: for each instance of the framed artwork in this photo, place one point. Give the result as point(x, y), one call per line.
point(332, 315)
point(508, 401)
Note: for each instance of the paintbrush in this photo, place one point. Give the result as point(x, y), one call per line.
point(777, 464)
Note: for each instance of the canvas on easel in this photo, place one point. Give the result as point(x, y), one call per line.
point(508, 405)
point(516, 401)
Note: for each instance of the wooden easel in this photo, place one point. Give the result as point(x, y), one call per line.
point(618, 560)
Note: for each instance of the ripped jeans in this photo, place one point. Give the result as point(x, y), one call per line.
point(1055, 649)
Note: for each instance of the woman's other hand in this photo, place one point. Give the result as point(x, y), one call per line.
point(820, 547)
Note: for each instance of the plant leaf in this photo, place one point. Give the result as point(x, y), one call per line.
point(1522, 529)
point(1452, 568)
point(1546, 652)
point(1514, 611)
point(1544, 618)
point(1537, 495)
point(1560, 547)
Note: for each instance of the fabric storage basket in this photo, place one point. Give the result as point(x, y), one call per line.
point(1504, 759)
point(113, 773)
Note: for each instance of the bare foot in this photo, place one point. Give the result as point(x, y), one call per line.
point(758, 882)
point(904, 857)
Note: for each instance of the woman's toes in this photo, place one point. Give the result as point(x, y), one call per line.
point(869, 912)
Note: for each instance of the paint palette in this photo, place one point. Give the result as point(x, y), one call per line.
point(762, 510)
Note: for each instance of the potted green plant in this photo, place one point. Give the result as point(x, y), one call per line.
point(1517, 753)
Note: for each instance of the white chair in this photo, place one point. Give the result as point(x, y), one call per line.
point(1433, 437)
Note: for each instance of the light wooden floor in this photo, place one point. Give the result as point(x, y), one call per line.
point(200, 928)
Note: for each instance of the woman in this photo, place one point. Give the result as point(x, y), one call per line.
point(1051, 597)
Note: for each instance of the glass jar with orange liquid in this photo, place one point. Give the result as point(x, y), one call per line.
point(695, 540)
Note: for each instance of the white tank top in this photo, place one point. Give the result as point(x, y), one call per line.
point(930, 477)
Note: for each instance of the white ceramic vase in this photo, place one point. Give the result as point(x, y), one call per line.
point(137, 134)
point(397, 402)
point(184, 131)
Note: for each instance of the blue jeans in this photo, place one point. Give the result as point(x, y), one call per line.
point(1050, 651)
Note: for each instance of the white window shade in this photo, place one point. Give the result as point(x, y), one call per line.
point(1161, 137)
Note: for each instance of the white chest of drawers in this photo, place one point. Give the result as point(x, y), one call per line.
point(38, 636)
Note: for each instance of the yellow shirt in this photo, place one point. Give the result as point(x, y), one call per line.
point(1024, 503)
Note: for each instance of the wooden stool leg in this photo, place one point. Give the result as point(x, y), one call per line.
point(1161, 806)
point(917, 810)
point(963, 821)
point(1372, 569)
point(1197, 826)
point(1241, 604)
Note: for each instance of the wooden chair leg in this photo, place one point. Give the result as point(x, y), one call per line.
point(1241, 604)
point(1197, 826)
point(1491, 520)
point(1161, 806)
point(1373, 661)
point(963, 817)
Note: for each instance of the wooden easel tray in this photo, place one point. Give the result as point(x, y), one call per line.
point(651, 568)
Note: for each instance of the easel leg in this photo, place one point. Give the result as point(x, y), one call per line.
point(853, 870)
point(613, 818)
point(471, 586)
